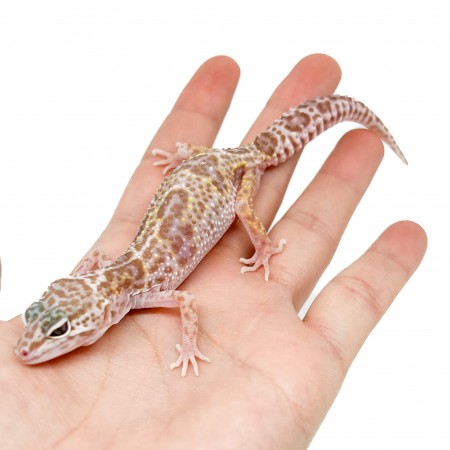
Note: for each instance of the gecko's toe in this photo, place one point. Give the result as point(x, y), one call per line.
point(261, 258)
point(188, 354)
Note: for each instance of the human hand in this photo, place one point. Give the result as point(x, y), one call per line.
point(273, 376)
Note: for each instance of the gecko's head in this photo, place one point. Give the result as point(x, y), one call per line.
point(66, 317)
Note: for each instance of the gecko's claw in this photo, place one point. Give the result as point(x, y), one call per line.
point(188, 353)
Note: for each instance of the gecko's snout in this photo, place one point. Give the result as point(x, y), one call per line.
point(29, 356)
point(22, 353)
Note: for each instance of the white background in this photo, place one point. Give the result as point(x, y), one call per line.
point(85, 84)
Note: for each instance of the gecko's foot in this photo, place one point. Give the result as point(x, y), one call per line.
point(261, 258)
point(188, 353)
point(171, 160)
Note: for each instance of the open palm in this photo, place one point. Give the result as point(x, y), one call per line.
point(273, 376)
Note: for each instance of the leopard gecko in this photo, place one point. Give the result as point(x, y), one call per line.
point(194, 206)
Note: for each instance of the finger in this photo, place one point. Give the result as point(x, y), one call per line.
point(313, 76)
point(314, 225)
point(196, 118)
point(200, 109)
point(349, 307)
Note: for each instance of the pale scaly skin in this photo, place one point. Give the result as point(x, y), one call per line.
point(192, 209)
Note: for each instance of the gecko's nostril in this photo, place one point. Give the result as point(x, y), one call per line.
point(23, 353)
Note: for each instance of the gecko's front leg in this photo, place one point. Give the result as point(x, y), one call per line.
point(189, 319)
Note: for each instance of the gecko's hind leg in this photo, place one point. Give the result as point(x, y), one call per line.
point(94, 260)
point(188, 349)
point(264, 248)
point(171, 160)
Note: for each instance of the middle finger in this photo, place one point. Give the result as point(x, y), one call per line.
point(313, 76)
point(314, 225)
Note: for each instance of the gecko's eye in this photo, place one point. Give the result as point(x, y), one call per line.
point(60, 329)
point(55, 324)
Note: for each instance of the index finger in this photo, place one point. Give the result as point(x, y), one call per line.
point(196, 117)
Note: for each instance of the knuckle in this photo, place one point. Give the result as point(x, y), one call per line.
point(357, 288)
point(313, 224)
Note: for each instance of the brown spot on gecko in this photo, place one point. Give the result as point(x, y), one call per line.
point(297, 122)
point(34, 345)
point(99, 303)
point(203, 169)
point(176, 246)
point(324, 107)
point(174, 204)
point(266, 142)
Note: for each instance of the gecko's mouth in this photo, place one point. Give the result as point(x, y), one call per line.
point(36, 355)
point(49, 349)
point(28, 357)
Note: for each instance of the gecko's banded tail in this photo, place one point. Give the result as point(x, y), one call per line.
point(303, 123)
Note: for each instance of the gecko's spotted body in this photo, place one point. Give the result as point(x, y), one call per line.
point(191, 211)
